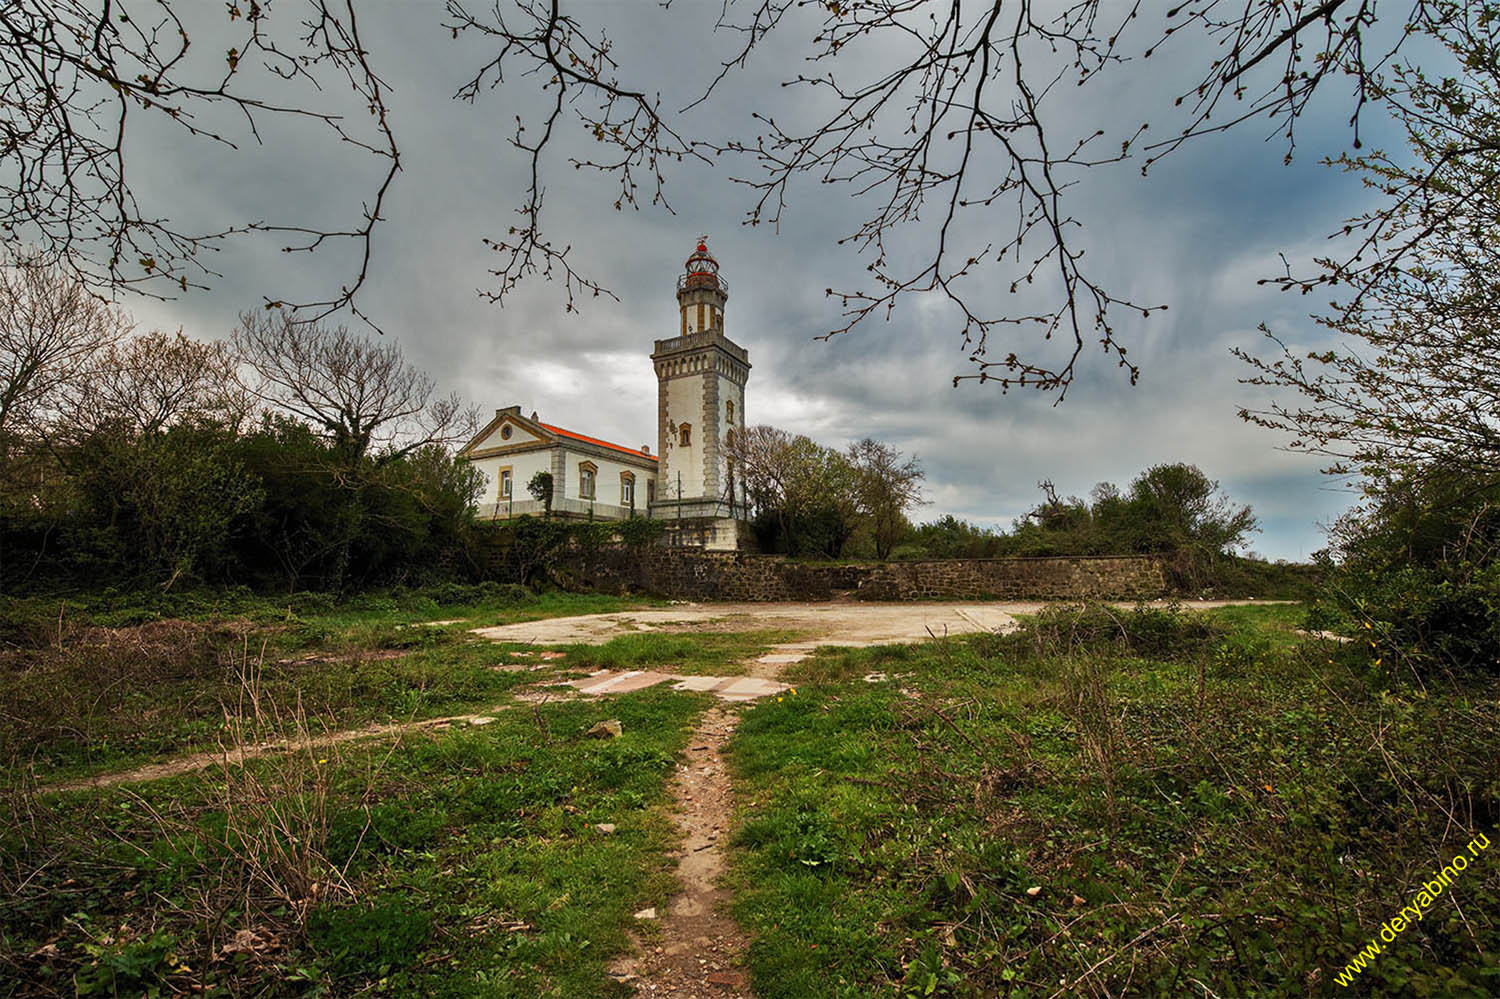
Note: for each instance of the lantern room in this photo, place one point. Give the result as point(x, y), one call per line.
point(701, 292)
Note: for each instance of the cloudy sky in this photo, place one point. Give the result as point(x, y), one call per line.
point(1195, 235)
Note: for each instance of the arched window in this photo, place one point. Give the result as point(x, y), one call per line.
point(729, 412)
point(586, 472)
point(685, 434)
point(627, 489)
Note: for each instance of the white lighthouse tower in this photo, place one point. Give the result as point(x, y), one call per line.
point(700, 406)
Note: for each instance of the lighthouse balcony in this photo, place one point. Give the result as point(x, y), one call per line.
point(702, 279)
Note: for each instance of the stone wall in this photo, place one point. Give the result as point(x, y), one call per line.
point(686, 574)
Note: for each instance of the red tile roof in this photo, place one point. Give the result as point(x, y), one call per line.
point(637, 452)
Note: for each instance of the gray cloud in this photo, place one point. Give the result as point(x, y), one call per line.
point(1196, 234)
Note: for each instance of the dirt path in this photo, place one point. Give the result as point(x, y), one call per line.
point(236, 756)
point(699, 952)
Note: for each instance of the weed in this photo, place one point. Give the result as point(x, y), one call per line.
point(369, 940)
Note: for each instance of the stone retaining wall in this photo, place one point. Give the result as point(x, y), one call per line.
point(686, 574)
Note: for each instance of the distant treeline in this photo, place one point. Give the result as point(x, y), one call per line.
point(273, 506)
point(1173, 510)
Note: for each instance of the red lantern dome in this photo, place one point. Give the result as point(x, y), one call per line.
point(702, 270)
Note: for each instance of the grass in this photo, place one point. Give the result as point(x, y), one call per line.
point(467, 863)
point(86, 688)
point(1054, 813)
point(1109, 802)
point(706, 653)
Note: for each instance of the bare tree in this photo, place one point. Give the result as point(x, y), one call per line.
point(952, 121)
point(146, 383)
point(887, 485)
point(581, 79)
point(50, 329)
point(78, 80)
point(949, 120)
point(363, 397)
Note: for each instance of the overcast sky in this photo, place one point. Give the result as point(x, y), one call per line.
point(1195, 235)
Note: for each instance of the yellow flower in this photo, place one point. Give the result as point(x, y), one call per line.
point(323, 760)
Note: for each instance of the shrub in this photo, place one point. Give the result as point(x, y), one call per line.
point(1149, 632)
point(1415, 571)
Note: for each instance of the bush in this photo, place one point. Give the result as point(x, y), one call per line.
point(1148, 632)
point(1415, 571)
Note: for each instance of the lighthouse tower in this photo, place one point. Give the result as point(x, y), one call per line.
point(700, 406)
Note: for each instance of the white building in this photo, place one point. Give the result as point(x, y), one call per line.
point(688, 484)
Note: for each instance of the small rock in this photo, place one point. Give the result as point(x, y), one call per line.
point(1080, 900)
point(605, 828)
point(1034, 890)
point(611, 729)
point(648, 914)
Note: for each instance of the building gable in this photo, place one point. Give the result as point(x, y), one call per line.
point(509, 429)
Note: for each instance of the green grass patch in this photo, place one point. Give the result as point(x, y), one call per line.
point(706, 653)
point(462, 863)
point(89, 696)
point(1019, 815)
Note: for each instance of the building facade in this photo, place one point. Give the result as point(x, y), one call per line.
point(591, 478)
point(689, 484)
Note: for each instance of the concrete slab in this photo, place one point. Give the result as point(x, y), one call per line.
point(847, 624)
point(619, 683)
point(749, 687)
point(827, 624)
point(700, 683)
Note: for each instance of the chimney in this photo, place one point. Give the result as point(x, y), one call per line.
point(645, 449)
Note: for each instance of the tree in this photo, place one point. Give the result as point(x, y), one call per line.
point(50, 330)
point(170, 497)
point(802, 492)
point(372, 409)
point(886, 487)
point(1413, 379)
point(1174, 509)
point(1416, 569)
point(540, 488)
point(148, 383)
point(950, 119)
point(362, 397)
point(79, 82)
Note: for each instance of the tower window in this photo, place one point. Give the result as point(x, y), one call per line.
point(729, 411)
point(684, 434)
